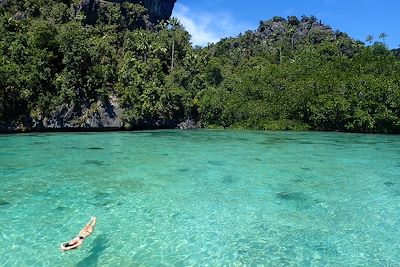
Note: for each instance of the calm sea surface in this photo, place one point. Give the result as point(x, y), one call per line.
point(197, 198)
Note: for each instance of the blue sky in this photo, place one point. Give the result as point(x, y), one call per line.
point(209, 20)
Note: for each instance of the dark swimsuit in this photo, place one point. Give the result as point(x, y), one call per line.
point(66, 245)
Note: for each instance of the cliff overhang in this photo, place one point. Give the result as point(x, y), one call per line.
point(158, 9)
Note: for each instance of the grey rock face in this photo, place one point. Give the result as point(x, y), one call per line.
point(308, 29)
point(98, 116)
point(95, 116)
point(158, 9)
point(396, 52)
point(189, 124)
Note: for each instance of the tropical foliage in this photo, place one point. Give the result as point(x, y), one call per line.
point(293, 73)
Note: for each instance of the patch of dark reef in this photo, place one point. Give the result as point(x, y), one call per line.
point(389, 183)
point(4, 203)
point(228, 179)
point(292, 196)
point(94, 162)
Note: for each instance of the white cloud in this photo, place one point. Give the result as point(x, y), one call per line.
point(207, 27)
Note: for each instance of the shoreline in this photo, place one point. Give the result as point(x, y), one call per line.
point(136, 129)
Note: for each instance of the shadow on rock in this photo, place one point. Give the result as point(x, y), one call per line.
point(100, 244)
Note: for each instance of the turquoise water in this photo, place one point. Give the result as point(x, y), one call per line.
point(201, 198)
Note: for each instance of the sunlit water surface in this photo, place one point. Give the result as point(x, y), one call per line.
point(181, 198)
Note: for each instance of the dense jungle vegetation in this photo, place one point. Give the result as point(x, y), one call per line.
point(289, 74)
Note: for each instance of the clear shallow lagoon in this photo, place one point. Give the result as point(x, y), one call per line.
point(181, 198)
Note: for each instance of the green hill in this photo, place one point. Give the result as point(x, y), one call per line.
point(300, 74)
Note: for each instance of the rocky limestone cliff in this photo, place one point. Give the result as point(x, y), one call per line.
point(293, 33)
point(158, 9)
point(96, 116)
point(396, 52)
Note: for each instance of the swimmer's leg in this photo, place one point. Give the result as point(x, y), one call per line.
point(92, 221)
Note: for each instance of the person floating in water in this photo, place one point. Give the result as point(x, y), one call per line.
point(86, 231)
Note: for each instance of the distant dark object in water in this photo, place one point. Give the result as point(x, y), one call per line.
point(293, 196)
point(228, 179)
point(4, 203)
point(105, 203)
point(39, 143)
point(94, 162)
point(215, 162)
point(305, 169)
point(95, 148)
point(389, 183)
point(298, 180)
point(183, 170)
point(103, 199)
point(326, 248)
point(175, 215)
point(102, 195)
point(258, 159)
point(317, 201)
point(60, 208)
point(39, 165)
